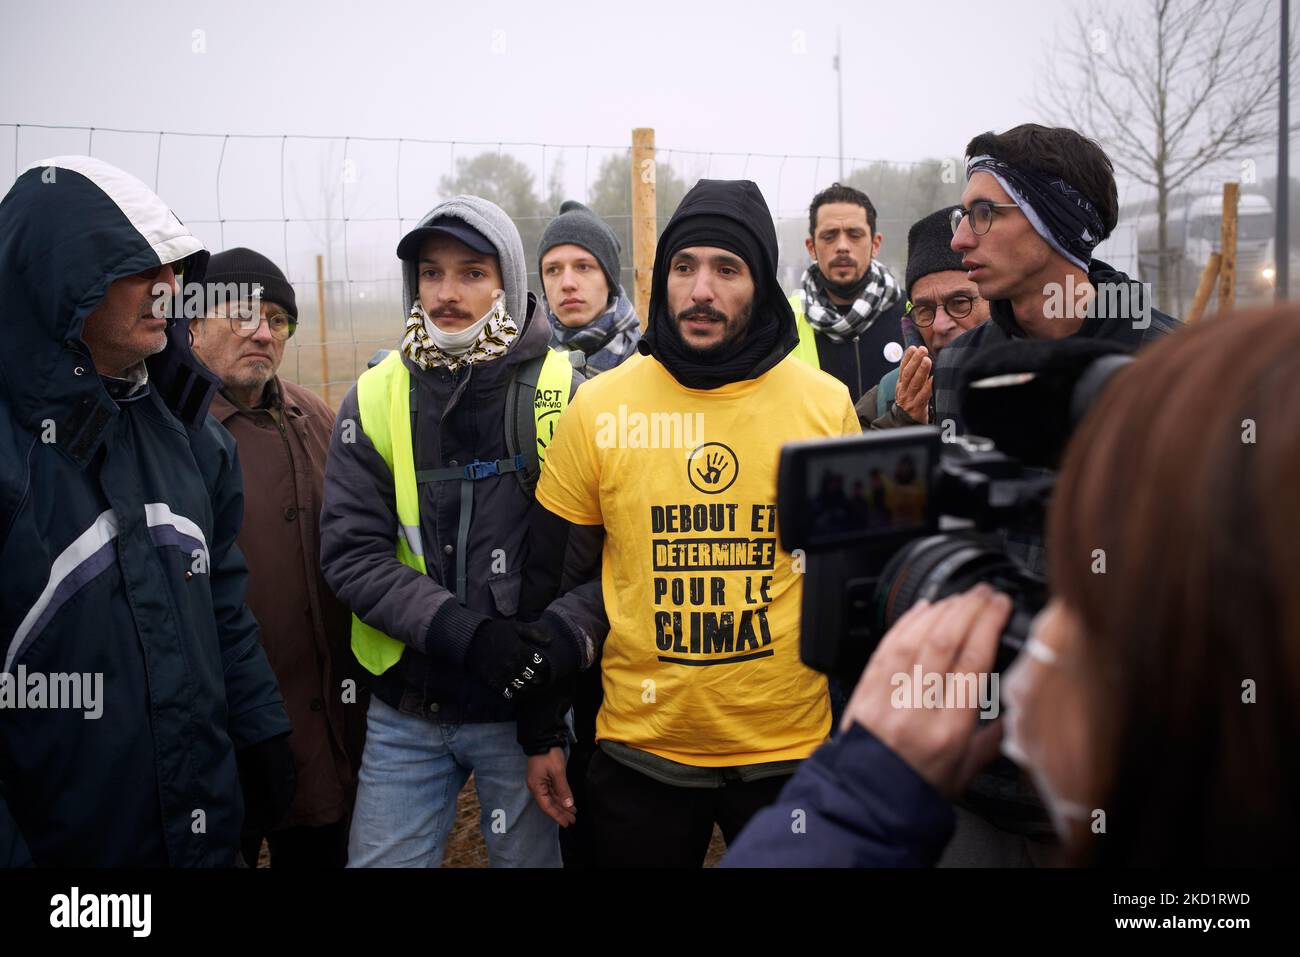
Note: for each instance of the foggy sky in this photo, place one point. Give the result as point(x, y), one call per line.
point(919, 77)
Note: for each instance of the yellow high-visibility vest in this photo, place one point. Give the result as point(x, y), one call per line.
point(383, 403)
point(807, 347)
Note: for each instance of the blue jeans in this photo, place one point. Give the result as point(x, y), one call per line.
point(411, 771)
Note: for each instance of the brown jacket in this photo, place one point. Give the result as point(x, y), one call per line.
point(305, 629)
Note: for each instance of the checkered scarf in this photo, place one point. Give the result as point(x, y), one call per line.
point(880, 293)
point(605, 341)
point(493, 340)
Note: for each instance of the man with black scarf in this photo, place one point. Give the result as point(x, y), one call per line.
point(708, 709)
point(849, 306)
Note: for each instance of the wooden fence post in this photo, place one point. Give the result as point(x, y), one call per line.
point(1228, 249)
point(324, 349)
point(643, 218)
point(1205, 287)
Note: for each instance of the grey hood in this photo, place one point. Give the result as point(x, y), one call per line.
point(490, 220)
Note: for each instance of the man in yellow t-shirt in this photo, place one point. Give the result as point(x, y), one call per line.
point(707, 708)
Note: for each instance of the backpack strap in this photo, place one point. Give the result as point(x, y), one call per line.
point(521, 439)
point(467, 475)
point(537, 393)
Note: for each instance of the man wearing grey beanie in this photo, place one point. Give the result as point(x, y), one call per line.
point(589, 312)
point(592, 317)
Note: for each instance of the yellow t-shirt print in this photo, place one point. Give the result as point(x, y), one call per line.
point(701, 665)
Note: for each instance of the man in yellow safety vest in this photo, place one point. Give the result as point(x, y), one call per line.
point(848, 306)
point(431, 469)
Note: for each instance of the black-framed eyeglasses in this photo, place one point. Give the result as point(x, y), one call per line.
point(245, 325)
point(958, 307)
point(980, 213)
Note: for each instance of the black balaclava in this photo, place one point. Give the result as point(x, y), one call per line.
point(732, 215)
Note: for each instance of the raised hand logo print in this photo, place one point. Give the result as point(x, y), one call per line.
point(712, 468)
point(713, 474)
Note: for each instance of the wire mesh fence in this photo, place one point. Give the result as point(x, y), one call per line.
point(331, 209)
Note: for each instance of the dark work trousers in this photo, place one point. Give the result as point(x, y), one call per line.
point(638, 822)
point(576, 846)
point(301, 848)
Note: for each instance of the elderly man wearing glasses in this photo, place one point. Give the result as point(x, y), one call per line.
point(942, 304)
point(283, 432)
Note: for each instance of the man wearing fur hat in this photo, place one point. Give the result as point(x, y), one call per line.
point(942, 304)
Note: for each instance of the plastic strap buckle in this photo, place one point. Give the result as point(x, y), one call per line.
point(480, 470)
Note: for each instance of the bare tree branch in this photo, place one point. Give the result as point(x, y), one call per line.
point(1169, 88)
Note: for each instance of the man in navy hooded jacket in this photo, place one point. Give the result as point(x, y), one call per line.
point(119, 505)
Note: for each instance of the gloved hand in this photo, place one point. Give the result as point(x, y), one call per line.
point(540, 718)
point(268, 780)
point(509, 658)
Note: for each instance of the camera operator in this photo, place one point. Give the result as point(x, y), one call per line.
point(1154, 704)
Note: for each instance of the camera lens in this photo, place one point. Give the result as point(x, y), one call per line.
point(934, 567)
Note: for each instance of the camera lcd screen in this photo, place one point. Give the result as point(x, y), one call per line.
point(876, 487)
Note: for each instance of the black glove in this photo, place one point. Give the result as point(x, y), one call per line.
point(539, 718)
point(548, 636)
point(268, 780)
point(509, 658)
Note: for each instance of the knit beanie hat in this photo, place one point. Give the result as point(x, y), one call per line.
point(733, 215)
point(929, 247)
point(578, 225)
point(240, 265)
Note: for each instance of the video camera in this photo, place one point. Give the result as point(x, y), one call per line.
point(895, 516)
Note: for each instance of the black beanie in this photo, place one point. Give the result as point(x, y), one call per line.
point(711, 229)
point(732, 215)
point(929, 247)
point(241, 265)
point(578, 225)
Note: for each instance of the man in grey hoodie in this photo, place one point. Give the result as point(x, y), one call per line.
point(424, 537)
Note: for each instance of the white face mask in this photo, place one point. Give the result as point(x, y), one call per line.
point(1019, 744)
point(455, 343)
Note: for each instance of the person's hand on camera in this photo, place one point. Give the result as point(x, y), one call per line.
point(508, 659)
point(912, 394)
point(549, 786)
point(958, 635)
